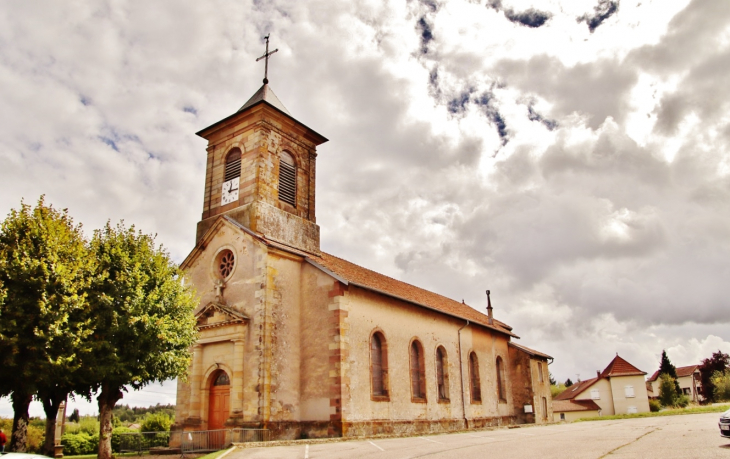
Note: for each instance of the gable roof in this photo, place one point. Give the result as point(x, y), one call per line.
point(351, 273)
point(620, 367)
point(681, 372)
point(528, 351)
point(564, 406)
point(576, 389)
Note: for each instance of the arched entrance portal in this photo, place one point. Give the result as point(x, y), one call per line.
point(220, 396)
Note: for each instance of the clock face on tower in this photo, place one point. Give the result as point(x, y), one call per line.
point(229, 191)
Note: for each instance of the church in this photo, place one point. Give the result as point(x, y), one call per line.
point(308, 345)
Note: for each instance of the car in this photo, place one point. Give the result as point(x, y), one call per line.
point(23, 456)
point(725, 424)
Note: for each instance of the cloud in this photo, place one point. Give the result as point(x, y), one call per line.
point(601, 12)
point(582, 178)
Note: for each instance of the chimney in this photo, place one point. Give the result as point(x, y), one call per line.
point(598, 374)
point(489, 309)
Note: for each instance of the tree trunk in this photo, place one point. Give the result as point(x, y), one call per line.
point(21, 402)
point(109, 396)
point(50, 407)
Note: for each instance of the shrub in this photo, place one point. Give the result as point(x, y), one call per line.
point(667, 390)
point(117, 437)
point(156, 422)
point(721, 381)
point(682, 401)
point(654, 405)
point(79, 443)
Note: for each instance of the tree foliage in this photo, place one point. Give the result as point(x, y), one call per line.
point(144, 318)
point(667, 368)
point(718, 362)
point(568, 382)
point(668, 394)
point(44, 319)
point(721, 381)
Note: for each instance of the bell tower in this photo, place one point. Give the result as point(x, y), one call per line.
point(261, 172)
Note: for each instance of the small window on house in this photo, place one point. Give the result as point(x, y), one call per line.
point(539, 371)
point(378, 366)
point(629, 391)
point(544, 408)
point(632, 410)
point(233, 165)
point(442, 374)
point(562, 416)
point(595, 395)
point(476, 386)
point(501, 383)
point(287, 179)
point(418, 374)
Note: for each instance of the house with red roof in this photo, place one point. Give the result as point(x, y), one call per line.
point(306, 344)
point(618, 389)
point(688, 379)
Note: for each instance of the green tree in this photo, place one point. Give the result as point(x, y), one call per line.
point(667, 368)
point(718, 362)
point(144, 318)
point(44, 271)
point(721, 381)
point(568, 382)
point(668, 394)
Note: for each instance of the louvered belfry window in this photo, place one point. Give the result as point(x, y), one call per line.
point(233, 165)
point(287, 179)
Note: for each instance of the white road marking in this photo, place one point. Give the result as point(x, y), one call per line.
point(428, 439)
point(306, 451)
point(480, 436)
point(381, 449)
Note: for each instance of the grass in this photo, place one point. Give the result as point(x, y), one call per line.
point(667, 412)
point(212, 455)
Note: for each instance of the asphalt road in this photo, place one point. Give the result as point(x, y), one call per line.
point(689, 436)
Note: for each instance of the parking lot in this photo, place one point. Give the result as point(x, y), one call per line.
point(689, 436)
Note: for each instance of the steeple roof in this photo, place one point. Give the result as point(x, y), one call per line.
point(265, 94)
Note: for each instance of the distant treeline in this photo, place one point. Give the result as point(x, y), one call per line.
point(136, 414)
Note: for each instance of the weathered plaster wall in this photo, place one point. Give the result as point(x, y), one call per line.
point(606, 394)
point(640, 400)
point(400, 323)
point(243, 292)
point(541, 389)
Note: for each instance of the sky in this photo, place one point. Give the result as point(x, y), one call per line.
point(571, 156)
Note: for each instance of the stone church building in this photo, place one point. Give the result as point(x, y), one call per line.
point(307, 344)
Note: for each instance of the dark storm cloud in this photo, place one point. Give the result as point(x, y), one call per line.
point(487, 102)
point(531, 18)
point(424, 29)
point(601, 12)
point(535, 116)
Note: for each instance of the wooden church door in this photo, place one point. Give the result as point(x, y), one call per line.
point(219, 407)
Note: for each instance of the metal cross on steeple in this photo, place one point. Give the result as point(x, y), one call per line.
point(266, 56)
